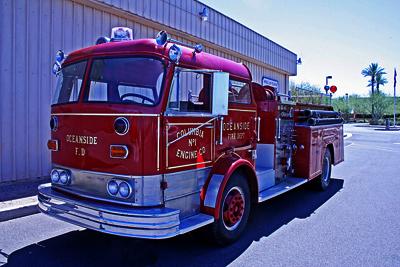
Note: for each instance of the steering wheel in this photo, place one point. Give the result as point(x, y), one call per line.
point(144, 98)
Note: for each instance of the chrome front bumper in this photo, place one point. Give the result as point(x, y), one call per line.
point(151, 223)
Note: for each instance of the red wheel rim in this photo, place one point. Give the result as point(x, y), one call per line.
point(233, 208)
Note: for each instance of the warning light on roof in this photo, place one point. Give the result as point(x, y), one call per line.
point(121, 34)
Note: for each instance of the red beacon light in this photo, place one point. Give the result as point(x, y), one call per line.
point(333, 89)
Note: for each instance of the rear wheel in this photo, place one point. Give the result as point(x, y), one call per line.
point(322, 182)
point(234, 211)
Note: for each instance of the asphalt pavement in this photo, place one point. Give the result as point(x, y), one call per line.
point(356, 222)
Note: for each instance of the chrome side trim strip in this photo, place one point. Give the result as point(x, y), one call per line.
point(86, 184)
point(188, 165)
point(158, 143)
point(243, 110)
point(105, 114)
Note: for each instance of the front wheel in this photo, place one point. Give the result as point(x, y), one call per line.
point(322, 182)
point(234, 211)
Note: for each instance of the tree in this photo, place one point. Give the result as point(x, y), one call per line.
point(373, 71)
point(380, 80)
point(381, 103)
point(306, 92)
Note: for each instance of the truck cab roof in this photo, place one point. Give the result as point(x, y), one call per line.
point(149, 47)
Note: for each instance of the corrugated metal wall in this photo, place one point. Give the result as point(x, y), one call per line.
point(32, 31)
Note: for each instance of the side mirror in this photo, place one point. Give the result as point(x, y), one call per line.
point(56, 68)
point(220, 89)
point(60, 57)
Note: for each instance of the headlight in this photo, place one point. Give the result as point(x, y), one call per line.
point(55, 176)
point(121, 125)
point(124, 189)
point(112, 187)
point(119, 188)
point(53, 123)
point(64, 177)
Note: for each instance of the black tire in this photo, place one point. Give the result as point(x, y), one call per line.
point(323, 181)
point(222, 231)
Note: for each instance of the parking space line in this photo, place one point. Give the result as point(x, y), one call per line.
point(376, 148)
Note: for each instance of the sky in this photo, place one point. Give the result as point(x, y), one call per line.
point(337, 38)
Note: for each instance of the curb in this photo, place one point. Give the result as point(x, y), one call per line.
point(18, 208)
point(347, 136)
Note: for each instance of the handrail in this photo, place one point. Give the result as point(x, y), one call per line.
point(192, 131)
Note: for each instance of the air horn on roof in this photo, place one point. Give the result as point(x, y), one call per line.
point(162, 38)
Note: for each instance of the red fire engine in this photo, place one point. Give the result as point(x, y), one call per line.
point(153, 138)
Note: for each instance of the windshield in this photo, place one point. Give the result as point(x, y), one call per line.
point(125, 80)
point(69, 83)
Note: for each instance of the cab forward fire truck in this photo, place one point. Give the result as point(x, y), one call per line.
point(153, 138)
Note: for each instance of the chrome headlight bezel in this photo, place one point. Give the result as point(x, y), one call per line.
point(120, 184)
point(64, 176)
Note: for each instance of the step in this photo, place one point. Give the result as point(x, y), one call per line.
point(265, 178)
point(195, 222)
point(287, 185)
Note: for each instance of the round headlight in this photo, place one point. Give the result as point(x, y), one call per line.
point(112, 187)
point(174, 53)
point(55, 176)
point(124, 189)
point(53, 123)
point(121, 125)
point(64, 177)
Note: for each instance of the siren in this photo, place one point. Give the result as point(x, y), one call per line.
point(117, 34)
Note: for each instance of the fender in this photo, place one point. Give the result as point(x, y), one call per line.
point(211, 195)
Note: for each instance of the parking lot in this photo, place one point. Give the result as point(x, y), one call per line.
point(355, 222)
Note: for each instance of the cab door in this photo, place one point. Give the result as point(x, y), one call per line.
point(189, 122)
point(239, 126)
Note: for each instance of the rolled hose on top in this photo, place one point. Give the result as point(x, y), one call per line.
point(321, 113)
point(324, 121)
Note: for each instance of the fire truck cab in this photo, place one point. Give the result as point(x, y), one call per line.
point(153, 138)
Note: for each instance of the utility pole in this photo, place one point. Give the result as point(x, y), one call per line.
point(326, 87)
point(394, 106)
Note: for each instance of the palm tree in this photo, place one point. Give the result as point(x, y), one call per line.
point(373, 70)
point(380, 80)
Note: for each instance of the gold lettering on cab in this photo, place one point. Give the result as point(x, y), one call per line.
point(80, 151)
point(193, 140)
point(81, 139)
point(235, 129)
point(236, 126)
point(184, 154)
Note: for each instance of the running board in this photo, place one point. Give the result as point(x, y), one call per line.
point(289, 184)
point(195, 222)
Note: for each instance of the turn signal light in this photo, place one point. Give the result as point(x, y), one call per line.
point(52, 145)
point(119, 151)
